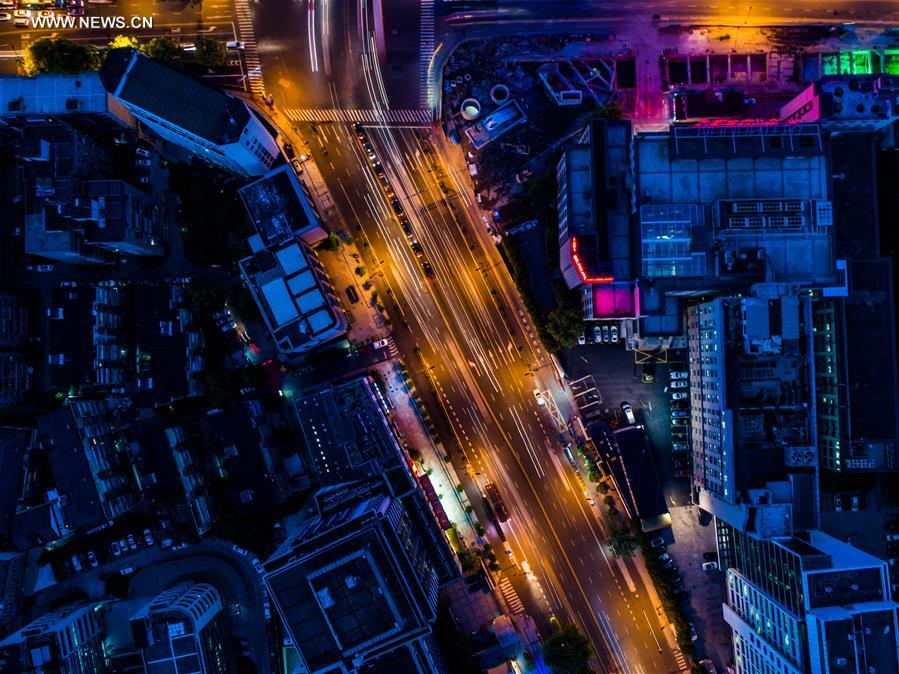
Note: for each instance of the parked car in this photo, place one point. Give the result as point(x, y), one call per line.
point(581, 339)
point(678, 422)
point(297, 166)
point(597, 334)
point(606, 336)
point(45, 267)
point(680, 383)
point(239, 550)
point(143, 152)
point(538, 396)
point(417, 249)
point(679, 413)
point(92, 559)
point(166, 543)
point(21, 22)
point(116, 550)
point(710, 566)
point(258, 566)
point(143, 161)
point(267, 611)
point(664, 557)
point(235, 44)
point(613, 333)
point(679, 395)
point(288, 151)
point(679, 446)
point(352, 295)
point(628, 412)
point(148, 537)
point(837, 502)
point(360, 132)
point(693, 635)
point(657, 542)
point(123, 544)
point(853, 503)
point(131, 542)
point(678, 374)
point(127, 570)
point(5, 16)
point(76, 563)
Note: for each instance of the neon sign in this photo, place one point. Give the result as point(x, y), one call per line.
point(582, 269)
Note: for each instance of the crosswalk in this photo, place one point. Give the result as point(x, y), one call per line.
point(394, 117)
point(392, 348)
point(681, 661)
point(425, 51)
point(511, 596)
point(247, 35)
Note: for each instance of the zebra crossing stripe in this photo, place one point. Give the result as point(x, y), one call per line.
point(406, 117)
point(247, 35)
point(511, 596)
point(425, 51)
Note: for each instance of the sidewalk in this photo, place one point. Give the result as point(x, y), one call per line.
point(414, 433)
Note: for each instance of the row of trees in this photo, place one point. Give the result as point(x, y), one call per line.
point(58, 55)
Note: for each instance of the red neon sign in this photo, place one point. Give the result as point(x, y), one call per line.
point(582, 270)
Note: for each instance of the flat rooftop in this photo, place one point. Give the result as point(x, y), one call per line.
point(52, 94)
point(278, 207)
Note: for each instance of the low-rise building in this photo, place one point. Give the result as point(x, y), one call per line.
point(184, 630)
point(846, 103)
point(89, 459)
point(15, 331)
point(294, 295)
point(210, 124)
point(65, 641)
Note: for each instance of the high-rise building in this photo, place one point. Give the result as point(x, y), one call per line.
point(807, 604)
point(752, 411)
point(357, 585)
point(183, 630)
point(65, 641)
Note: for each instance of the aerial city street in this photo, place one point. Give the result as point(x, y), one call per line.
point(448, 337)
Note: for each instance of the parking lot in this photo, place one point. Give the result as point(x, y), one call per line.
point(618, 379)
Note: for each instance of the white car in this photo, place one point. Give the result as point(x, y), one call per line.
point(614, 334)
point(539, 397)
point(235, 44)
point(21, 22)
point(597, 334)
point(679, 395)
point(380, 344)
point(679, 374)
point(239, 550)
point(581, 339)
point(710, 566)
point(148, 537)
point(46, 13)
point(628, 413)
point(5, 16)
point(679, 383)
point(22, 13)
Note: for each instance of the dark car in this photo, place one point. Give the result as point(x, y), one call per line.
point(407, 230)
point(352, 295)
point(288, 151)
point(397, 206)
point(417, 249)
point(497, 502)
point(359, 131)
point(427, 269)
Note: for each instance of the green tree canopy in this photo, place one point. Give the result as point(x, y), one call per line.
point(57, 55)
point(568, 651)
point(162, 49)
point(124, 41)
point(623, 542)
point(210, 52)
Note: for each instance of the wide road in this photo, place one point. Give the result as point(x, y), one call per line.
point(464, 332)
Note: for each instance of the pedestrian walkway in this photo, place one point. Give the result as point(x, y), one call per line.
point(392, 117)
point(511, 596)
point(425, 52)
point(247, 35)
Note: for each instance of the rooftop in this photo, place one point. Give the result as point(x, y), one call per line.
point(278, 206)
point(173, 96)
point(51, 94)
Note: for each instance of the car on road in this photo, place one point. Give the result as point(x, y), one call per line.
point(288, 151)
point(143, 161)
point(297, 166)
point(22, 13)
point(679, 374)
point(628, 412)
point(837, 502)
point(679, 395)
point(359, 131)
point(239, 550)
point(148, 537)
point(235, 44)
point(710, 566)
point(380, 344)
point(127, 570)
point(597, 334)
point(657, 542)
point(606, 335)
point(258, 566)
point(21, 22)
point(267, 610)
point(538, 396)
point(396, 206)
point(427, 269)
point(352, 295)
point(679, 383)
point(5, 16)
point(45, 13)
point(404, 224)
point(44, 267)
point(664, 557)
point(417, 249)
point(75, 8)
